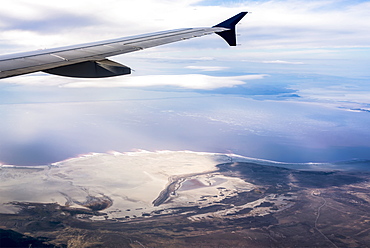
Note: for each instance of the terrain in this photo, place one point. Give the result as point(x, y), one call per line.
point(280, 208)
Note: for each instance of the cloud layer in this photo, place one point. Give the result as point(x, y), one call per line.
point(292, 23)
point(316, 54)
point(187, 81)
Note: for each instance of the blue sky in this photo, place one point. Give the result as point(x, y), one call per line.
point(295, 90)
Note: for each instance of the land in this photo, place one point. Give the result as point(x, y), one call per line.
point(284, 208)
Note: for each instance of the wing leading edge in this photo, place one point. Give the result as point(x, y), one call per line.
point(90, 60)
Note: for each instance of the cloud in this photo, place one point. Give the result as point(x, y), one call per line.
point(271, 24)
point(292, 24)
point(206, 68)
point(111, 19)
point(282, 62)
point(298, 24)
point(188, 81)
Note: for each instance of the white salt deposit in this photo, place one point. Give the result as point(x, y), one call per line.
point(131, 180)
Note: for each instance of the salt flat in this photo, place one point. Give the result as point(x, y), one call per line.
point(131, 181)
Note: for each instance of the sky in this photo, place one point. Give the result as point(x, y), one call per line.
point(295, 89)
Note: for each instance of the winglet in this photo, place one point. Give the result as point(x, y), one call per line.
point(230, 35)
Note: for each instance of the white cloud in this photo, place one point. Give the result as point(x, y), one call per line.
point(189, 81)
point(206, 68)
point(111, 19)
point(300, 24)
point(282, 62)
point(292, 23)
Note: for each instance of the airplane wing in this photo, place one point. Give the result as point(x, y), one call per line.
point(90, 60)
